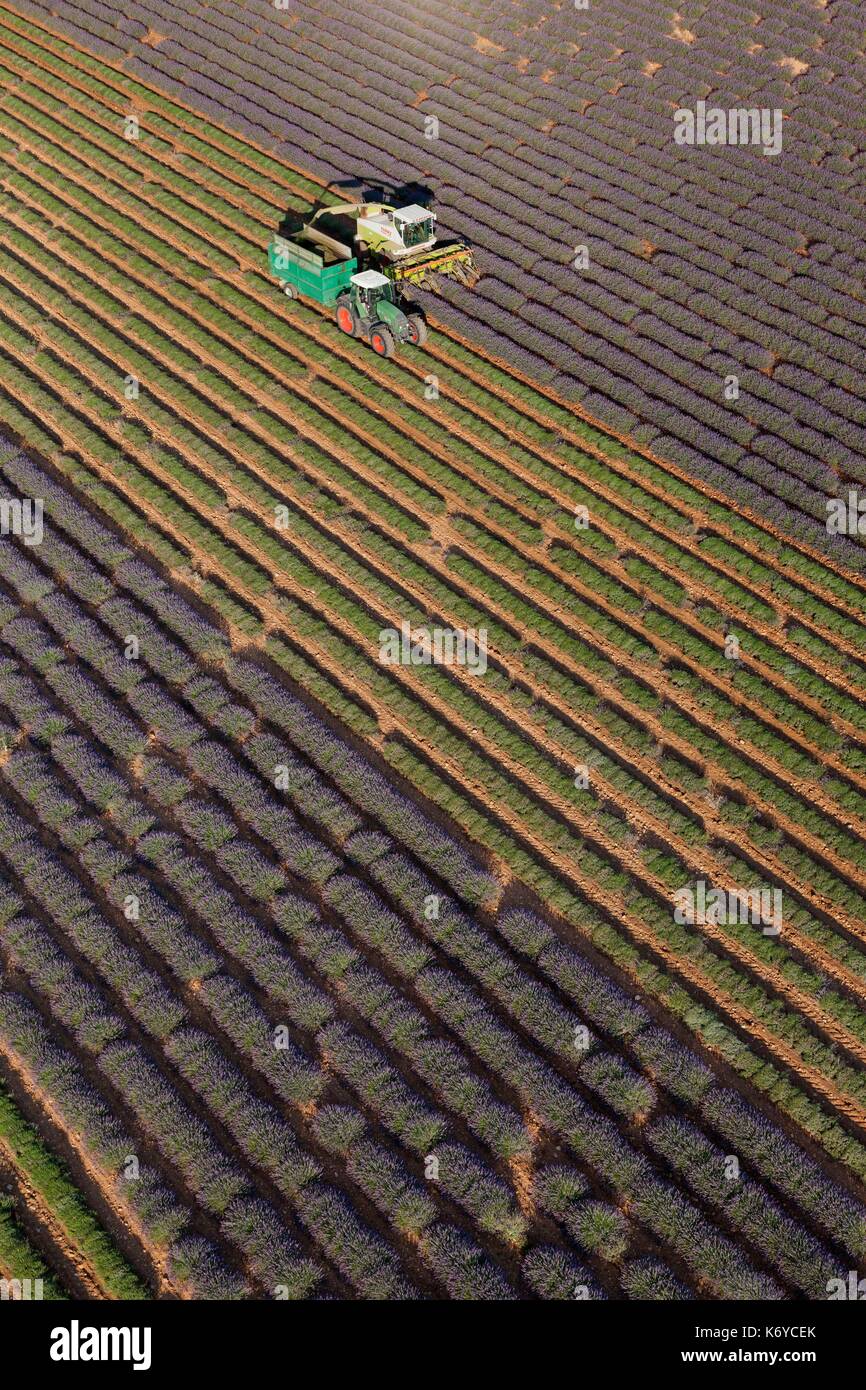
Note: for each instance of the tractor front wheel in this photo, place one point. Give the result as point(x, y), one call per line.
point(347, 320)
point(382, 340)
point(289, 290)
point(418, 330)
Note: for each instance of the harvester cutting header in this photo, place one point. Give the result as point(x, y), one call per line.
point(357, 258)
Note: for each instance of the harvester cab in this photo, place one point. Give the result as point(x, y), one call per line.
point(414, 225)
point(368, 308)
point(396, 232)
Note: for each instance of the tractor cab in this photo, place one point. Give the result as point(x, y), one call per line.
point(370, 289)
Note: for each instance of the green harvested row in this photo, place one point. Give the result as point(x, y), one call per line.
point(63, 1198)
point(20, 1261)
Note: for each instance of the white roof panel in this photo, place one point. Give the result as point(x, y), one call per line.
point(413, 213)
point(370, 279)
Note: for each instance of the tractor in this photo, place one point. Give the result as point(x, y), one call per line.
point(369, 309)
point(365, 303)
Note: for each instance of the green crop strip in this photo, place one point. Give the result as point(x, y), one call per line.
point(19, 1259)
point(61, 1196)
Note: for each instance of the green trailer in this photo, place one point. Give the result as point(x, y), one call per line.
point(365, 303)
point(302, 267)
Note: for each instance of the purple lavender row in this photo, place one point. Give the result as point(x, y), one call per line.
point(364, 785)
point(678, 1068)
point(84, 1111)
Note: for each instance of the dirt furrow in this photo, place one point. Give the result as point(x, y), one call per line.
point(65, 1255)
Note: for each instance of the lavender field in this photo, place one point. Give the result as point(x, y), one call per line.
point(165, 914)
point(554, 130)
point(432, 783)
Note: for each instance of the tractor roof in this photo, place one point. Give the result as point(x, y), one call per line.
point(413, 213)
point(370, 280)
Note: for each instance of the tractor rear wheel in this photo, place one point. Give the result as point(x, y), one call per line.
point(418, 331)
point(382, 340)
point(347, 320)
